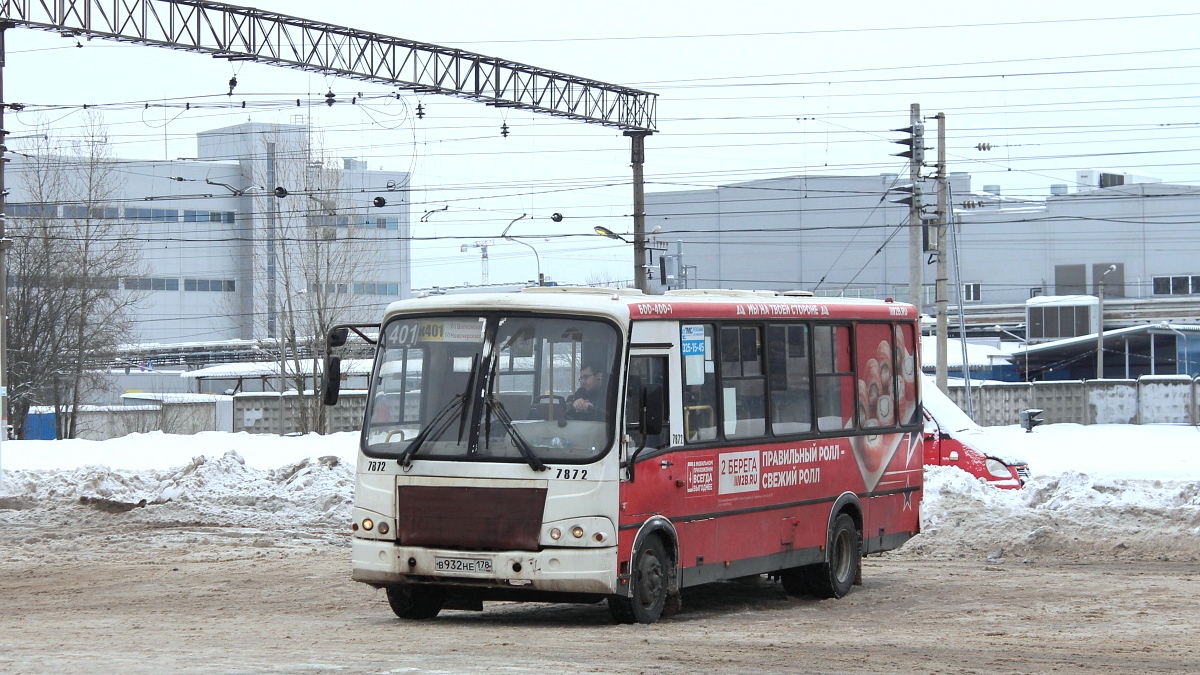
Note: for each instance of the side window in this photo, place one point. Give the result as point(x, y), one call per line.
point(398, 397)
point(876, 386)
point(906, 375)
point(697, 344)
point(789, 379)
point(644, 370)
point(743, 396)
point(833, 384)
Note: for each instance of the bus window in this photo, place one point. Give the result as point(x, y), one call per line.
point(742, 391)
point(834, 383)
point(905, 367)
point(876, 382)
point(644, 370)
point(431, 396)
point(790, 380)
point(699, 383)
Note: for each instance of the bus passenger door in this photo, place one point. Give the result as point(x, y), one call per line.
point(671, 483)
point(652, 490)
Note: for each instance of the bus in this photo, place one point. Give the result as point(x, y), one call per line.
point(571, 444)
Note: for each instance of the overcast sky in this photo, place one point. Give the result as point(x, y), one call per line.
point(746, 90)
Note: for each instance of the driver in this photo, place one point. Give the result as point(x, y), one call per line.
point(588, 401)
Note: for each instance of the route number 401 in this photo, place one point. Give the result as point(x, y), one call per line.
point(572, 474)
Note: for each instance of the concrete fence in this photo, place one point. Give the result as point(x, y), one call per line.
point(1151, 399)
point(271, 413)
point(255, 413)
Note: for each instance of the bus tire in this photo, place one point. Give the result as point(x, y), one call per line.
point(648, 585)
point(833, 578)
point(795, 581)
point(416, 602)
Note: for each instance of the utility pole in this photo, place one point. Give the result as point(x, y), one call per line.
point(5, 244)
point(940, 281)
point(272, 224)
point(916, 159)
point(638, 157)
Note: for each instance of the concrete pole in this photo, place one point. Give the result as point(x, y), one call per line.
point(637, 158)
point(1100, 330)
point(914, 216)
point(942, 273)
point(5, 244)
point(272, 223)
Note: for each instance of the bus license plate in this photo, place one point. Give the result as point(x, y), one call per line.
point(462, 565)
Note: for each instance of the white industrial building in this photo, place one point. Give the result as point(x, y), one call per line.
point(224, 257)
point(844, 235)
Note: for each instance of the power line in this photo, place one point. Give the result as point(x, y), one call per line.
point(840, 31)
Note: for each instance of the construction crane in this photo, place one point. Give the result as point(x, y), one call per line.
point(482, 245)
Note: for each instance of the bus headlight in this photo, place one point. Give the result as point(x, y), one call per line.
point(383, 528)
point(579, 531)
point(367, 524)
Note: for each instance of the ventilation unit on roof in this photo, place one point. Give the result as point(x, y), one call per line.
point(1060, 317)
point(1096, 178)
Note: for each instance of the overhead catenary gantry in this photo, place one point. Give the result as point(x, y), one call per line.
point(248, 34)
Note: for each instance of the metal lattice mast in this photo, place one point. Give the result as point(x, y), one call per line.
point(247, 34)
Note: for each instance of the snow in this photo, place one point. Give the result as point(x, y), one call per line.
point(978, 355)
point(1101, 490)
point(161, 452)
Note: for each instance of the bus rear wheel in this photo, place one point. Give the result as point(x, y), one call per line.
point(648, 586)
point(416, 602)
point(834, 577)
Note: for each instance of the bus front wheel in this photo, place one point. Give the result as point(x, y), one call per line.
point(648, 586)
point(416, 602)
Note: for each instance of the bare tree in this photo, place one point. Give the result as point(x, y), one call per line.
point(319, 250)
point(605, 279)
point(70, 253)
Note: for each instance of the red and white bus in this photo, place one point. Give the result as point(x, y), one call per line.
point(729, 434)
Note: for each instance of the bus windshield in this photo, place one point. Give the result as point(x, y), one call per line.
point(492, 387)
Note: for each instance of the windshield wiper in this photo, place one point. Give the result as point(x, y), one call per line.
point(518, 440)
point(439, 422)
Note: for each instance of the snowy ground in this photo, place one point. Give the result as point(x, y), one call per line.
point(1118, 492)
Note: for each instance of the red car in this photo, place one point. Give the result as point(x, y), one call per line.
point(953, 439)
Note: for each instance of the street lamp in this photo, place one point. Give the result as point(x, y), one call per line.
point(1100, 324)
point(1024, 342)
point(1186, 360)
point(504, 236)
point(605, 232)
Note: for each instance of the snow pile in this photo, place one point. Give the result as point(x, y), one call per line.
point(1101, 491)
point(1073, 515)
point(208, 505)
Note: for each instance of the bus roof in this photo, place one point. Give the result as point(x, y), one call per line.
point(629, 304)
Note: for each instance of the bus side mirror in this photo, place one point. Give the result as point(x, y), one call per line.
point(337, 337)
point(650, 416)
point(333, 380)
